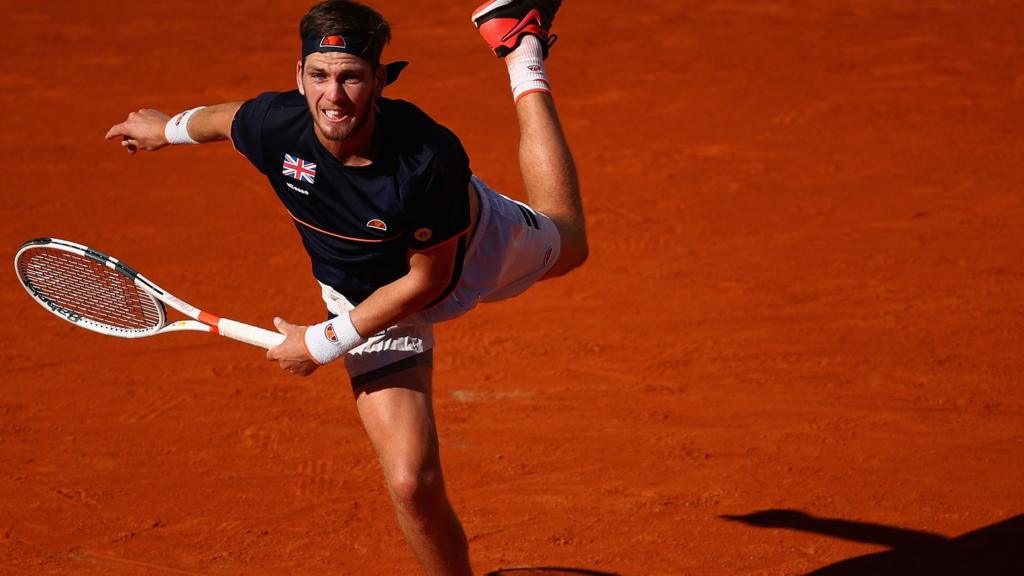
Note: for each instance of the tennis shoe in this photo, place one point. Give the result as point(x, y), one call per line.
point(503, 23)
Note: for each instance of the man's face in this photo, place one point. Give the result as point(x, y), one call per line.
point(339, 89)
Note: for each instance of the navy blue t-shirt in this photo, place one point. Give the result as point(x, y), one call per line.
point(358, 222)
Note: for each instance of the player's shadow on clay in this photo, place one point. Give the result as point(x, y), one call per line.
point(994, 550)
point(548, 571)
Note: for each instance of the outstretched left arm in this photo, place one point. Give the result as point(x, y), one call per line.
point(144, 130)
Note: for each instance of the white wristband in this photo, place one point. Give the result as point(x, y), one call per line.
point(326, 341)
point(176, 129)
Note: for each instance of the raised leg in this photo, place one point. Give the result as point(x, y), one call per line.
point(519, 32)
point(549, 177)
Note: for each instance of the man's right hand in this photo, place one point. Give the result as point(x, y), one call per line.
point(143, 130)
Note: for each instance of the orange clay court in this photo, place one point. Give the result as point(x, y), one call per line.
point(797, 347)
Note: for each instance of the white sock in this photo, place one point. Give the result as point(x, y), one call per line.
point(526, 68)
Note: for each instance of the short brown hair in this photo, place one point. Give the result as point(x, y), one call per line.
point(345, 17)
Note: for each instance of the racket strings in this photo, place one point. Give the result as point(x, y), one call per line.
point(82, 286)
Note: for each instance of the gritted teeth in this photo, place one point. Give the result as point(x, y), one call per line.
point(333, 114)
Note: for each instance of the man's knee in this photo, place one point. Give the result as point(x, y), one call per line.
point(574, 250)
point(579, 251)
point(415, 491)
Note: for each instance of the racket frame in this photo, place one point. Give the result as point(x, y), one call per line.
point(200, 321)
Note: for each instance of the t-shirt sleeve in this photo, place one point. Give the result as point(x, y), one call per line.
point(248, 126)
point(439, 209)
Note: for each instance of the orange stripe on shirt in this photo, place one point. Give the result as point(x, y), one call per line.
point(332, 234)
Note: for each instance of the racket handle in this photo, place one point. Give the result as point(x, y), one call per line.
point(249, 334)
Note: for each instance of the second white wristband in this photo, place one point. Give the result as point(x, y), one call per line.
point(328, 340)
point(176, 129)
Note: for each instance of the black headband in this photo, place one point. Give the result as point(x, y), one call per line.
point(352, 44)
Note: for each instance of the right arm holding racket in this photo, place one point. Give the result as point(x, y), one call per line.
point(304, 348)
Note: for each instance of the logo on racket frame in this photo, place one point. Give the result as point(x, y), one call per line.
point(68, 313)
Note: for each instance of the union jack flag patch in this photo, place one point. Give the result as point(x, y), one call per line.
point(298, 169)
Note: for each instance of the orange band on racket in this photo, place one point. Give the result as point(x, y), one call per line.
point(210, 320)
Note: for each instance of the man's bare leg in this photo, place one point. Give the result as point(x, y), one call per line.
point(397, 412)
point(549, 177)
point(519, 32)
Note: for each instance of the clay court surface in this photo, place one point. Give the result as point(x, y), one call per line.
point(797, 347)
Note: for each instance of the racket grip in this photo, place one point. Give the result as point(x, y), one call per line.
point(249, 334)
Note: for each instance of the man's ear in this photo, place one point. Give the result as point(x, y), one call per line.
point(380, 79)
point(298, 77)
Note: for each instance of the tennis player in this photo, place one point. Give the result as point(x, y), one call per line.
point(400, 232)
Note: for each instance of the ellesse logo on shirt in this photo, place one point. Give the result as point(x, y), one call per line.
point(377, 224)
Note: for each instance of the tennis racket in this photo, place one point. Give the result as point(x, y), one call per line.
point(99, 293)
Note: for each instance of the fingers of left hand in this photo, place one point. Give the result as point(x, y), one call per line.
point(298, 370)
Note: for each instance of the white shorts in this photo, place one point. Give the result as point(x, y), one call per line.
point(512, 247)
